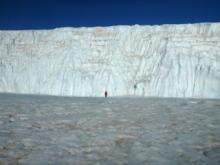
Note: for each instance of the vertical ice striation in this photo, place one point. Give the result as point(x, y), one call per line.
point(167, 61)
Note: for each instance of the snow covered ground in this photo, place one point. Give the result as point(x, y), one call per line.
point(74, 130)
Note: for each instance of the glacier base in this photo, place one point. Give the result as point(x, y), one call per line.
point(69, 130)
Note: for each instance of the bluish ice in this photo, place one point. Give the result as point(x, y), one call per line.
point(74, 130)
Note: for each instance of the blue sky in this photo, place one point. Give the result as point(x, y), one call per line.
point(47, 14)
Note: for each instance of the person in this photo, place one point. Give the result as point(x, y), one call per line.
point(106, 94)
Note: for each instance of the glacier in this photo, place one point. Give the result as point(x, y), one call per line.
point(157, 61)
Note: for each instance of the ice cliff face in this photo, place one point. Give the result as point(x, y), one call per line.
point(167, 60)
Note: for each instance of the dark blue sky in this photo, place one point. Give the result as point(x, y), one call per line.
point(46, 14)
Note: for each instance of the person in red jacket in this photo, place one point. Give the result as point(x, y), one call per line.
point(106, 94)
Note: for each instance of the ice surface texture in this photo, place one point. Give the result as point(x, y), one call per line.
point(167, 61)
point(36, 130)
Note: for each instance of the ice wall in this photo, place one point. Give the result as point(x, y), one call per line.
point(167, 60)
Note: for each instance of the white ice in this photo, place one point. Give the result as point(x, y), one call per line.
point(166, 61)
